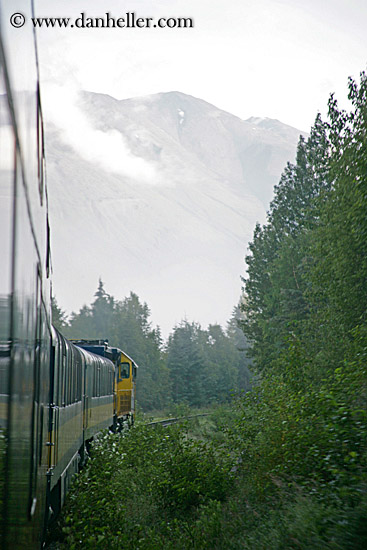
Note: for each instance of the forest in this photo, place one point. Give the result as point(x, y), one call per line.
point(195, 367)
point(284, 465)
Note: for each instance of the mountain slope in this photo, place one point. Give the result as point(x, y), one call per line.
point(159, 195)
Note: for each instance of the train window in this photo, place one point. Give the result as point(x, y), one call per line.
point(70, 376)
point(60, 375)
point(95, 378)
point(96, 370)
point(75, 375)
point(64, 378)
point(103, 381)
point(124, 370)
point(79, 384)
point(73, 367)
point(67, 377)
point(108, 382)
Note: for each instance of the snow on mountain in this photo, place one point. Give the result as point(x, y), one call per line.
point(176, 237)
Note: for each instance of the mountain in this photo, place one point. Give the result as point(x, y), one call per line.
point(159, 195)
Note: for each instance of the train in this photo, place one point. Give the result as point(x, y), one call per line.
point(55, 395)
point(91, 387)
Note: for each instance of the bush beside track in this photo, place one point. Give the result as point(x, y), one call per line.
point(143, 490)
point(165, 488)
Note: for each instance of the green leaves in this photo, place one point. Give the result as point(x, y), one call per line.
point(195, 367)
point(205, 366)
point(289, 468)
point(146, 484)
point(306, 316)
point(277, 288)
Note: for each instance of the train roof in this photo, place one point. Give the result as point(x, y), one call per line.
point(101, 347)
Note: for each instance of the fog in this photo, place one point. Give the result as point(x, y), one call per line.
point(107, 149)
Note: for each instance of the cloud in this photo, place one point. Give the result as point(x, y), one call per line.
point(108, 148)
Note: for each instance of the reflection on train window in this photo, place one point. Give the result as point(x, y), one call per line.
point(124, 370)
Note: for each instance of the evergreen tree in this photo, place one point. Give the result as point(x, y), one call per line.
point(80, 324)
point(205, 366)
point(223, 359)
point(277, 286)
point(126, 325)
point(240, 344)
point(59, 318)
point(134, 334)
point(102, 313)
point(339, 245)
point(186, 364)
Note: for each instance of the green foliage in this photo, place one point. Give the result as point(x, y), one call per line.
point(340, 245)
point(59, 319)
point(126, 325)
point(206, 366)
point(303, 431)
point(144, 488)
point(289, 469)
point(276, 290)
point(186, 363)
point(195, 367)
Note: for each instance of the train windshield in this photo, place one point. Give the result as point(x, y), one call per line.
point(124, 370)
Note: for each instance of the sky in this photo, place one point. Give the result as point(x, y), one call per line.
point(268, 58)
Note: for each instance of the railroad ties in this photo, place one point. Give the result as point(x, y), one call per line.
point(168, 421)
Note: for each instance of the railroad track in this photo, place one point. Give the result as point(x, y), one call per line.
point(168, 421)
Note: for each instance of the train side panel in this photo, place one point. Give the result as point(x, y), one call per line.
point(24, 289)
point(82, 406)
point(99, 396)
point(66, 417)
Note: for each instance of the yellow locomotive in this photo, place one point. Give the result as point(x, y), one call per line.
point(125, 388)
point(125, 377)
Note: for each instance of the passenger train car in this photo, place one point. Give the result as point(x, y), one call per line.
point(125, 377)
point(81, 404)
point(54, 395)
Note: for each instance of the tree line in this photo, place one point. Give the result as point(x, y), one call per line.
point(304, 429)
point(194, 367)
point(286, 467)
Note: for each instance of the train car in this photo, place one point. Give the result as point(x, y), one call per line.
point(125, 377)
point(82, 404)
point(54, 396)
point(25, 329)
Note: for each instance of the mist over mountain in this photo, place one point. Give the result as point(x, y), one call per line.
point(159, 195)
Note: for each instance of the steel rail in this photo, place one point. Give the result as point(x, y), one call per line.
point(168, 421)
